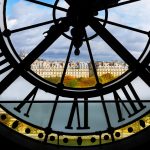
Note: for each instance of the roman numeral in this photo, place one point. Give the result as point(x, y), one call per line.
point(1, 55)
point(53, 34)
point(2, 62)
point(4, 68)
point(136, 106)
point(75, 108)
point(31, 96)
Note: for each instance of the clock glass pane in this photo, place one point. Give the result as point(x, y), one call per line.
point(74, 72)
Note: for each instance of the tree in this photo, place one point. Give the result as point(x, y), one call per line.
point(105, 78)
point(72, 83)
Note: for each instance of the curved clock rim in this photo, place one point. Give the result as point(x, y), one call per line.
point(127, 143)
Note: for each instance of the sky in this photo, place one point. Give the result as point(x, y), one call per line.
point(21, 13)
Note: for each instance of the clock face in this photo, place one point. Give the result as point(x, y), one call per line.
point(74, 73)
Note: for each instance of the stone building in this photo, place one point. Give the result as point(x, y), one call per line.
point(114, 68)
point(77, 69)
point(46, 68)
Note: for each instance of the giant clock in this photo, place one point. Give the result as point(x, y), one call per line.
point(49, 114)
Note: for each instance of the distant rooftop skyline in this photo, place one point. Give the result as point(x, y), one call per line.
point(25, 53)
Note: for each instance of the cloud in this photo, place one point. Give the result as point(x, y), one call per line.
point(136, 15)
point(12, 23)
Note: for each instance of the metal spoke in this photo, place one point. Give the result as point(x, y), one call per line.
point(33, 26)
point(48, 129)
point(120, 49)
point(147, 59)
point(92, 59)
point(123, 26)
point(66, 63)
point(47, 5)
point(113, 42)
point(107, 117)
point(120, 4)
point(60, 86)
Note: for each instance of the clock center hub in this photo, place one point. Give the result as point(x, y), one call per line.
point(80, 12)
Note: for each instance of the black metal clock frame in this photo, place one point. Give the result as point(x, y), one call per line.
point(79, 15)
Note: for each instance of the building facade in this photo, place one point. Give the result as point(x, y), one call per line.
point(46, 69)
point(114, 68)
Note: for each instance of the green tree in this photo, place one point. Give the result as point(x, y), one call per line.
point(72, 83)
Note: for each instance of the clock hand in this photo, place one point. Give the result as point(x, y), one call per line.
point(120, 50)
point(54, 33)
point(92, 61)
